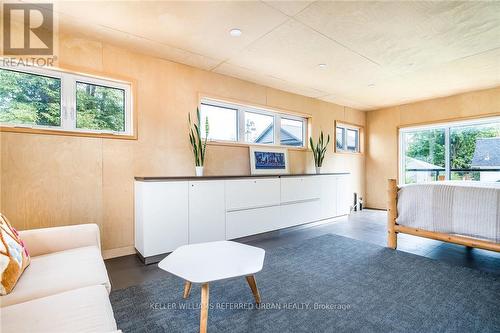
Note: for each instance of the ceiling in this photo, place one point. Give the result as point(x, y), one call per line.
point(377, 54)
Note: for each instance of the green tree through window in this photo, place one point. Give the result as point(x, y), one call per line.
point(463, 143)
point(427, 146)
point(100, 108)
point(29, 99)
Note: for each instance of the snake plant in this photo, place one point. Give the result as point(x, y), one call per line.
point(198, 145)
point(319, 150)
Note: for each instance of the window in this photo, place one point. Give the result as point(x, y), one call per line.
point(347, 138)
point(99, 107)
point(48, 99)
point(454, 151)
point(246, 124)
point(259, 128)
point(29, 99)
point(424, 155)
point(292, 132)
point(352, 140)
point(222, 122)
point(340, 138)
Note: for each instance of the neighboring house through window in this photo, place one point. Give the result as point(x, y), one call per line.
point(347, 138)
point(248, 124)
point(290, 134)
point(465, 150)
point(487, 157)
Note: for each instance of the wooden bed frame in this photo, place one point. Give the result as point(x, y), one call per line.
point(393, 228)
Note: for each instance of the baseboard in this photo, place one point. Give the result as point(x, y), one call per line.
point(118, 252)
point(153, 259)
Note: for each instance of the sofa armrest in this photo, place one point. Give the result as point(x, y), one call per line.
point(48, 240)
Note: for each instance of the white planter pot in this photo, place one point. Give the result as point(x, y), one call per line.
point(199, 171)
point(318, 170)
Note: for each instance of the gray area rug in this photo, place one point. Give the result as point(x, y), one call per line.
point(325, 284)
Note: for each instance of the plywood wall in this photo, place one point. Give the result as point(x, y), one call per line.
point(50, 180)
point(382, 132)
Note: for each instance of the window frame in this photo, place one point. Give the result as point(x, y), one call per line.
point(215, 103)
point(261, 110)
point(446, 126)
point(68, 120)
point(355, 148)
point(262, 113)
point(346, 127)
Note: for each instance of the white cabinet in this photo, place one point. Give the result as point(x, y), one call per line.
point(252, 193)
point(161, 214)
point(328, 196)
point(171, 213)
point(207, 214)
point(252, 221)
point(299, 213)
point(295, 189)
point(344, 195)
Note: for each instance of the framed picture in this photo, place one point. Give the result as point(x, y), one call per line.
point(268, 161)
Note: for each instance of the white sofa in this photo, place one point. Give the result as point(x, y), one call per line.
point(66, 286)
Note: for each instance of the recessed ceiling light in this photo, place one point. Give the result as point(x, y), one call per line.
point(371, 85)
point(235, 32)
point(322, 65)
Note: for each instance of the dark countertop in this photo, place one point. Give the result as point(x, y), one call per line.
point(166, 178)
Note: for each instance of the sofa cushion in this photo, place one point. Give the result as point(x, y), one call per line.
point(81, 310)
point(14, 257)
point(58, 272)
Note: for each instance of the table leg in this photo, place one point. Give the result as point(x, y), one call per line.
point(253, 286)
point(204, 308)
point(187, 289)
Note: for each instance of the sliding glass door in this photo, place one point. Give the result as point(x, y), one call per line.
point(452, 151)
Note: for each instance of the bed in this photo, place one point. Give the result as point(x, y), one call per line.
point(465, 213)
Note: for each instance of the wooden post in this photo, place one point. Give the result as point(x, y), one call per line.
point(456, 239)
point(392, 213)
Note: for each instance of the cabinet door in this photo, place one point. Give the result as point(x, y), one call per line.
point(207, 216)
point(161, 216)
point(243, 223)
point(295, 189)
point(299, 213)
point(328, 196)
point(252, 193)
point(344, 195)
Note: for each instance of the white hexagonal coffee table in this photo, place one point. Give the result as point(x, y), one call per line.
point(207, 262)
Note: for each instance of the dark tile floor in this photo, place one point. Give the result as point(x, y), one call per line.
point(368, 225)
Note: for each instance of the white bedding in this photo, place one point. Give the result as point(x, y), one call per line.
point(462, 208)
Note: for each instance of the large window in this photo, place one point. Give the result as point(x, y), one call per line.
point(246, 124)
point(454, 151)
point(54, 100)
point(347, 138)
